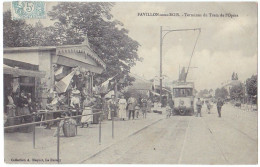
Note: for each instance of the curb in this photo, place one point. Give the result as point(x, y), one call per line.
point(109, 146)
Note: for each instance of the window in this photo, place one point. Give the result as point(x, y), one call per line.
point(182, 92)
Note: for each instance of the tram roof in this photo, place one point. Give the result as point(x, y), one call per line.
point(183, 85)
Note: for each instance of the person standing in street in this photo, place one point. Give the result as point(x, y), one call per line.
point(122, 108)
point(137, 111)
point(144, 107)
point(87, 118)
point(168, 110)
point(149, 105)
point(199, 106)
point(219, 106)
point(208, 106)
point(131, 107)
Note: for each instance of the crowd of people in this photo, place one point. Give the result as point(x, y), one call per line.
point(24, 109)
point(62, 105)
point(124, 109)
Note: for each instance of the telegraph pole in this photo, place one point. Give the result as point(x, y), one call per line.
point(161, 43)
point(161, 64)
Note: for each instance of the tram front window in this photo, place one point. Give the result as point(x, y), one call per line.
point(181, 92)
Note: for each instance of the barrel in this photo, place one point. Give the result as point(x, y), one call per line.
point(69, 129)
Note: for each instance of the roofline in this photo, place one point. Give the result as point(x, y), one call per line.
point(46, 48)
point(42, 48)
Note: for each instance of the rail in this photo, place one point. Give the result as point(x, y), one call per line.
point(58, 127)
point(39, 112)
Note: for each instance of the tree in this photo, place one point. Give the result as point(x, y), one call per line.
point(107, 37)
point(221, 93)
point(74, 22)
point(251, 85)
point(237, 92)
point(14, 31)
point(17, 33)
point(203, 93)
point(234, 76)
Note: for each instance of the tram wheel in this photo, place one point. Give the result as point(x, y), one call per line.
point(182, 112)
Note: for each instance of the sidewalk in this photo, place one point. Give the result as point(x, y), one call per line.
point(246, 107)
point(72, 150)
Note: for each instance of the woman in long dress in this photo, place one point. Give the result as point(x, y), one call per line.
point(122, 108)
point(88, 119)
point(109, 116)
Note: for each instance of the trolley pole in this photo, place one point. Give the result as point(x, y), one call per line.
point(161, 43)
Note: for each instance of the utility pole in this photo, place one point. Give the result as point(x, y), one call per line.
point(161, 43)
point(161, 64)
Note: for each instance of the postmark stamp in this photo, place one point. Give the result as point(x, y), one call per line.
point(28, 10)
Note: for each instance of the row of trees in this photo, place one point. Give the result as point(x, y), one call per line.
point(240, 91)
point(73, 21)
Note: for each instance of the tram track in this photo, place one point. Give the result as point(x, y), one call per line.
point(212, 135)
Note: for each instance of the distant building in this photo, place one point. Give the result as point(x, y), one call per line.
point(139, 87)
point(228, 84)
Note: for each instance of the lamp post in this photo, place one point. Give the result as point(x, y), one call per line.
point(161, 43)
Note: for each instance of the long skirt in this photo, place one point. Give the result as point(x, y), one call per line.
point(122, 112)
point(88, 118)
point(109, 116)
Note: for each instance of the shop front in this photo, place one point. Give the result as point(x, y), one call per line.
point(54, 77)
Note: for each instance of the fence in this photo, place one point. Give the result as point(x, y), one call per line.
point(58, 127)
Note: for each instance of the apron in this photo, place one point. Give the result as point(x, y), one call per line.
point(88, 118)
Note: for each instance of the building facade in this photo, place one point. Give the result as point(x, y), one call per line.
point(39, 70)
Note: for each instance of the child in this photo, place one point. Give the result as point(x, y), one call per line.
point(137, 108)
point(168, 111)
point(208, 106)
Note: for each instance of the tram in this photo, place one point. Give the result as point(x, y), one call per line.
point(183, 98)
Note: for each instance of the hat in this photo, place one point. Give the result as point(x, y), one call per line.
point(75, 91)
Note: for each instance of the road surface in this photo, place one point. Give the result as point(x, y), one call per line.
point(209, 139)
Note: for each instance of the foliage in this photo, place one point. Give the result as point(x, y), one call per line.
point(234, 76)
point(237, 92)
point(204, 93)
point(106, 36)
point(251, 85)
point(14, 31)
point(17, 33)
point(75, 21)
point(221, 93)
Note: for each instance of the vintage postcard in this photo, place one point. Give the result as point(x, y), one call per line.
point(130, 82)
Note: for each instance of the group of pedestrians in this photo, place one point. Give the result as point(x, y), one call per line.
point(128, 108)
point(199, 104)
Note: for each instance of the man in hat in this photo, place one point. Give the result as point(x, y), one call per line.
point(131, 107)
point(199, 106)
point(219, 106)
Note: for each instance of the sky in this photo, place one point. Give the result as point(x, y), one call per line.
point(225, 45)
